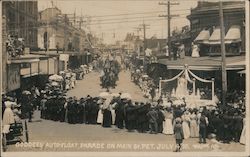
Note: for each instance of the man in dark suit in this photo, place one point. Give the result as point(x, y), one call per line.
point(203, 128)
point(160, 119)
point(153, 118)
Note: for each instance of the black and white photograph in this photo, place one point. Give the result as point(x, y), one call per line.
point(125, 77)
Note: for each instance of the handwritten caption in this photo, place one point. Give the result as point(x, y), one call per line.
point(113, 146)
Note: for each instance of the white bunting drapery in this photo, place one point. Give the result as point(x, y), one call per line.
point(198, 78)
point(187, 76)
point(174, 78)
point(186, 72)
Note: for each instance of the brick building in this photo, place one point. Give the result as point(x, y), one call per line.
point(21, 20)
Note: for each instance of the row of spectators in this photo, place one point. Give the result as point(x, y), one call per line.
point(226, 123)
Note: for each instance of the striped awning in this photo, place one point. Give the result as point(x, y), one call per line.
point(215, 37)
point(233, 35)
point(203, 37)
point(18, 61)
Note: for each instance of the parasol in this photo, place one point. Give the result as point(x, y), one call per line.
point(126, 96)
point(68, 75)
point(56, 77)
point(104, 94)
point(61, 72)
point(26, 92)
point(145, 76)
point(54, 84)
point(115, 94)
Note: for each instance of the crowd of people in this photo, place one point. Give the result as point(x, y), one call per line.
point(145, 83)
point(14, 45)
point(226, 124)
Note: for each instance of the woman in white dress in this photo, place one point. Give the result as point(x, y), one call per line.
point(185, 124)
point(195, 50)
point(168, 124)
point(100, 112)
point(243, 133)
point(8, 115)
point(181, 90)
point(194, 130)
point(112, 109)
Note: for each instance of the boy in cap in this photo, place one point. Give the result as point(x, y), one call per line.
point(179, 135)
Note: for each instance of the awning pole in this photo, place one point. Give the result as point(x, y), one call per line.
point(213, 89)
point(160, 87)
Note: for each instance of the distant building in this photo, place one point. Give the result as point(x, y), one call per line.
point(56, 32)
point(133, 44)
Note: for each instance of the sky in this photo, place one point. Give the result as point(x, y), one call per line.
point(113, 19)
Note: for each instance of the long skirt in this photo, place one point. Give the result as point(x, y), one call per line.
point(66, 116)
point(186, 130)
point(107, 118)
point(243, 135)
point(168, 127)
point(194, 131)
point(100, 117)
point(113, 116)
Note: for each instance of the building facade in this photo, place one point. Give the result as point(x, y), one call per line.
point(21, 20)
point(205, 17)
point(56, 32)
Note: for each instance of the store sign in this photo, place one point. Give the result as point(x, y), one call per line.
point(34, 68)
point(51, 66)
point(64, 57)
point(43, 67)
point(13, 77)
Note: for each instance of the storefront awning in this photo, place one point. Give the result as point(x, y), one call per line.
point(242, 72)
point(215, 37)
point(233, 35)
point(205, 63)
point(203, 37)
point(17, 61)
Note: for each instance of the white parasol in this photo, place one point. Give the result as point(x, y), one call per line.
point(145, 76)
point(61, 72)
point(56, 77)
point(104, 95)
point(54, 83)
point(126, 96)
point(115, 94)
point(26, 92)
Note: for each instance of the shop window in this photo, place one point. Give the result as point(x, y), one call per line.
point(25, 65)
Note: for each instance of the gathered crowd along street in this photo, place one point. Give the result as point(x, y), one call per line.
point(118, 109)
point(178, 86)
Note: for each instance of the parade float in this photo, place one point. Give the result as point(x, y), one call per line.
point(182, 95)
point(109, 73)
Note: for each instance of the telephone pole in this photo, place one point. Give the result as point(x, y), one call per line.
point(169, 16)
point(144, 27)
point(223, 55)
